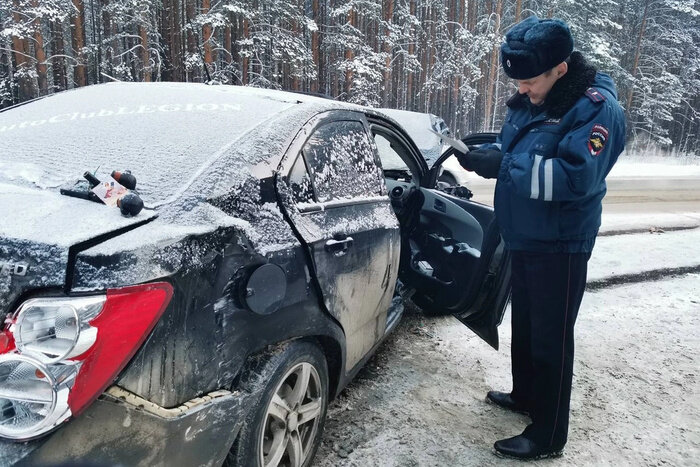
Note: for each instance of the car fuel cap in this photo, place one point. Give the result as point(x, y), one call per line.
point(265, 289)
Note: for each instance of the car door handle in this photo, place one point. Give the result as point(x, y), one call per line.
point(440, 205)
point(339, 247)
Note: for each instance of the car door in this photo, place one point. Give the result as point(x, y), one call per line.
point(454, 257)
point(339, 207)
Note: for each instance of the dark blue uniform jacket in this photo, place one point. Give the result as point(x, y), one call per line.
point(552, 177)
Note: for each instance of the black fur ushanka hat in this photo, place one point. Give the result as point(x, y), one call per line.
point(534, 46)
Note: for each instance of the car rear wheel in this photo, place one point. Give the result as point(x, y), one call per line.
point(285, 425)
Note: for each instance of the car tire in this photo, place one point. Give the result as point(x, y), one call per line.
point(274, 428)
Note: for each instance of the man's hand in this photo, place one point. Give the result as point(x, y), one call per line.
point(485, 162)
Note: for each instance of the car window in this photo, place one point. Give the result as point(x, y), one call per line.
point(300, 182)
point(389, 157)
point(343, 162)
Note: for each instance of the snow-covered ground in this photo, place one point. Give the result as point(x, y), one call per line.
point(650, 221)
point(636, 396)
point(655, 167)
point(637, 253)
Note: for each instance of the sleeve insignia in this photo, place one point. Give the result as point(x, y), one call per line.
point(597, 139)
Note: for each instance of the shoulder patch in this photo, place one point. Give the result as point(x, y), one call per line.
point(597, 139)
point(595, 95)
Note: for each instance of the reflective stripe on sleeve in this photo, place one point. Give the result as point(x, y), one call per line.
point(548, 179)
point(535, 180)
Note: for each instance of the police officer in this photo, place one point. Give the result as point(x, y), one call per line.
point(563, 132)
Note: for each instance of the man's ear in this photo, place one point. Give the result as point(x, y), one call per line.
point(561, 69)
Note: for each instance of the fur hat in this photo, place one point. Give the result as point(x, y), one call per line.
point(534, 46)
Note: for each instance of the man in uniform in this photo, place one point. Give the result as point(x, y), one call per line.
point(562, 134)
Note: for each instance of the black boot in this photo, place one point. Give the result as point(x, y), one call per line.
point(503, 399)
point(520, 447)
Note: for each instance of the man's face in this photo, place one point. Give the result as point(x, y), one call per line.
point(538, 87)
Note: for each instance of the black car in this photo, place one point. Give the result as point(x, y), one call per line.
point(272, 257)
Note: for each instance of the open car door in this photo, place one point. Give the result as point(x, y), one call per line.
point(454, 257)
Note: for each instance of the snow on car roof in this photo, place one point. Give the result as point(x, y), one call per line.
point(165, 133)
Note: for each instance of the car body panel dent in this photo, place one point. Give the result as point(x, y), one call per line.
point(359, 284)
point(120, 426)
point(208, 252)
point(206, 333)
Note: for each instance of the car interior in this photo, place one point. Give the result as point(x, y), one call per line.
point(444, 236)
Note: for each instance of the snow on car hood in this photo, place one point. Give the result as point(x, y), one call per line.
point(165, 133)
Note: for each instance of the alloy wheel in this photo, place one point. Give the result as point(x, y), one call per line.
point(292, 418)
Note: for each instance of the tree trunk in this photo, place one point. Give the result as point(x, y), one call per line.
point(78, 42)
point(297, 32)
point(175, 40)
point(170, 33)
point(518, 10)
point(228, 44)
point(58, 63)
point(97, 76)
point(637, 52)
point(6, 67)
point(206, 35)
point(191, 39)
point(388, 15)
point(145, 58)
point(40, 55)
point(113, 46)
point(455, 118)
point(244, 66)
point(472, 13)
point(490, 104)
point(349, 55)
point(316, 46)
point(20, 49)
point(431, 57)
point(411, 52)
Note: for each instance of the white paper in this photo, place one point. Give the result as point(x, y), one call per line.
point(110, 191)
point(455, 143)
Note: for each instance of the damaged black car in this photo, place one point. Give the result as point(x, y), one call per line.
point(279, 237)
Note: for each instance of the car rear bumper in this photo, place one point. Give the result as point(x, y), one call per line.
point(123, 429)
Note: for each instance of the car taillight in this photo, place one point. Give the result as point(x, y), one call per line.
point(58, 354)
point(56, 329)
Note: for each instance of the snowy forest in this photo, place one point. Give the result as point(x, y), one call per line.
point(437, 56)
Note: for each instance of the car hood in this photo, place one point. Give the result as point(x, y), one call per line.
point(41, 229)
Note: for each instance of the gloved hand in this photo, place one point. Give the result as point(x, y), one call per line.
point(485, 162)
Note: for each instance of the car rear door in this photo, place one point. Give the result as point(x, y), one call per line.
point(456, 260)
point(338, 204)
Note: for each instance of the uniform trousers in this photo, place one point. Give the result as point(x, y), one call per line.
point(547, 292)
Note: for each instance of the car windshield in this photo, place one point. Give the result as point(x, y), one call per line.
point(165, 133)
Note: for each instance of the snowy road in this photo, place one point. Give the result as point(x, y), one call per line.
point(420, 401)
point(634, 187)
point(636, 397)
point(631, 194)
